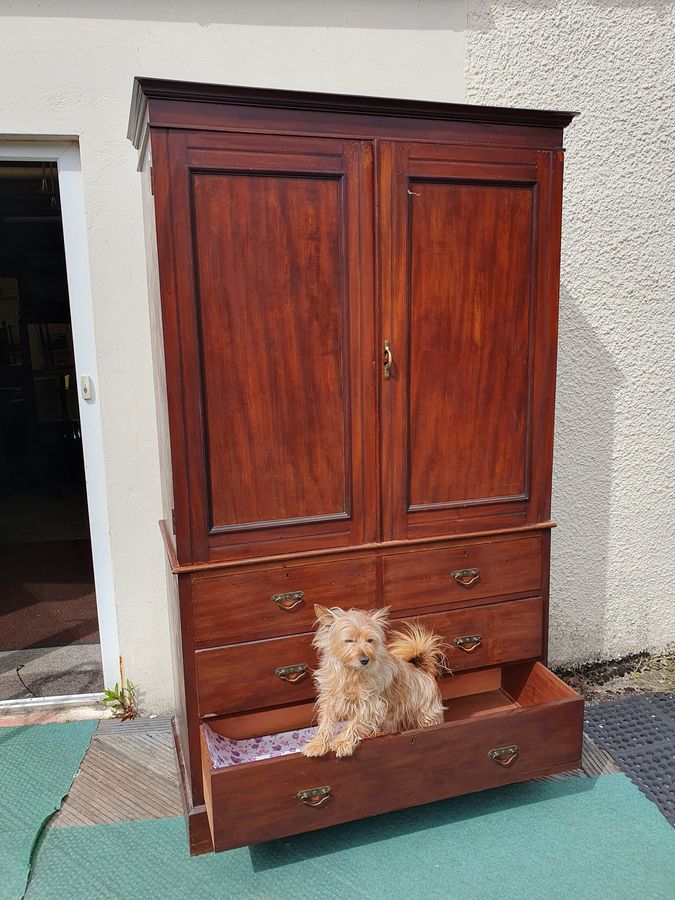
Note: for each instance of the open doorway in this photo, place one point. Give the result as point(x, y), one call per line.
point(49, 632)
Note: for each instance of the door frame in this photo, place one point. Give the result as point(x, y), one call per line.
point(66, 154)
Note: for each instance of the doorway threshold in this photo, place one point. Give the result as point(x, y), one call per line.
point(51, 702)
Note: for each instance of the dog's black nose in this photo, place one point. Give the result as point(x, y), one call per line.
point(363, 660)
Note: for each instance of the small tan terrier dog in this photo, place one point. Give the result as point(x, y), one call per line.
point(371, 685)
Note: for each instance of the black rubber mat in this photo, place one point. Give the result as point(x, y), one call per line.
point(639, 733)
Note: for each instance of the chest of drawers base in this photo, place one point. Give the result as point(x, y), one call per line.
point(499, 695)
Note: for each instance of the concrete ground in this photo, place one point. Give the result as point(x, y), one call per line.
point(50, 671)
point(641, 673)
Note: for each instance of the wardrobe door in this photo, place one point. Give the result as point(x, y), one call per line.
point(273, 357)
point(469, 243)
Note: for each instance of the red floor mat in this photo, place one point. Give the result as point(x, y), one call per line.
point(47, 595)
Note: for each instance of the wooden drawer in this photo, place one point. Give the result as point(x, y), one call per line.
point(253, 605)
point(243, 676)
point(463, 572)
point(489, 635)
point(530, 710)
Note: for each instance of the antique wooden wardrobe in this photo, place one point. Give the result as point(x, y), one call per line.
point(355, 321)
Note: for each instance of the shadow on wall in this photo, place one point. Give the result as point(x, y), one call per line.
point(587, 385)
point(428, 15)
point(481, 12)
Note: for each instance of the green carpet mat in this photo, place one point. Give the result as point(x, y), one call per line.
point(37, 765)
point(577, 839)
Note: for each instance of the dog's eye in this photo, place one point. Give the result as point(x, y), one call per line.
point(349, 641)
point(369, 641)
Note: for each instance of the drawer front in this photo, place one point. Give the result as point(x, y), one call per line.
point(255, 675)
point(274, 602)
point(463, 572)
point(489, 635)
point(247, 676)
point(258, 801)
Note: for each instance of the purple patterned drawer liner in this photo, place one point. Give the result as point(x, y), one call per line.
point(226, 752)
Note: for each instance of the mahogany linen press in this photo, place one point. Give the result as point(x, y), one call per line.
point(354, 315)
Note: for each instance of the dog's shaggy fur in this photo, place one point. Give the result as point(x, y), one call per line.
point(369, 685)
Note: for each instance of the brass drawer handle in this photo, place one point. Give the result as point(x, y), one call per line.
point(292, 674)
point(287, 602)
point(504, 755)
point(315, 797)
point(466, 577)
point(468, 643)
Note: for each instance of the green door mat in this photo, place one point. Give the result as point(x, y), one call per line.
point(37, 765)
point(577, 839)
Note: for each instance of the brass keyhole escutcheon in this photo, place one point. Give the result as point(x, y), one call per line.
point(388, 359)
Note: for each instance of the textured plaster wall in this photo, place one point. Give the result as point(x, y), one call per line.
point(613, 567)
point(66, 68)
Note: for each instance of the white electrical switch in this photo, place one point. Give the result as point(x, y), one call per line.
point(87, 387)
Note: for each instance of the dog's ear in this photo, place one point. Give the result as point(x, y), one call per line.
point(325, 616)
point(381, 615)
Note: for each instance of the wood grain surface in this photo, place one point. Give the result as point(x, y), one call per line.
point(273, 316)
point(468, 371)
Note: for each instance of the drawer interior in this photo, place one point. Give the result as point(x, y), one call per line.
point(247, 738)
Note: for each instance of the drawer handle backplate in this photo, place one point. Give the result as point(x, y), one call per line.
point(504, 756)
point(468, 643)
point(292, 674)
point(466, 577)
point(287, 602)
point(315, 797)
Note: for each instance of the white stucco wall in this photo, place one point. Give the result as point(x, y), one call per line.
point(613, 565)
point(66, 68)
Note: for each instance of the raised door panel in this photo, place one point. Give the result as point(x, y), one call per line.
point(273, 319)
point(277, 311)
point(469, 314)
point(468, 370)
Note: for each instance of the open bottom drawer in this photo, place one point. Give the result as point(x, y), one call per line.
point(502, 725)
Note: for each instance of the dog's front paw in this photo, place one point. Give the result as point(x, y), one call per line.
point(318, 746)
point(344, 745)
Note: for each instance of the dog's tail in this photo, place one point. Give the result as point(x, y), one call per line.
point(420, 647)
